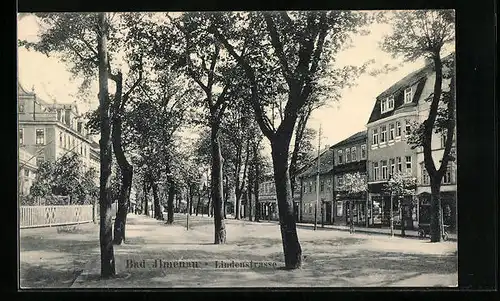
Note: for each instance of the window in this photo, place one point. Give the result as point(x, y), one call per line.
point(340, 208)
point(383, 133)
point(393, 166)
point(408, 95)
point(425, 175)
point(328, 184)
point(391, 131)
point(310, 186)
point(340, 156)
point(353, 154)
point(40, 160)
point(390, 103)
point(21, 136)
point(61, 139)
point(400, 164)
point(347, 155)
point(375, 137)
point(385, 174)
point(21, 108)
point(40, 136)
point(79, 127)
point(322, 185)
point(383, 105)
point(376, 174)
point(408, 163)
point(447, 175)
point(59, 117)
point(81, 149)
point(398, 129)
point(407, 127)
point(363, 152)
point(340, 181)
point(305, 188)
point(26, 172)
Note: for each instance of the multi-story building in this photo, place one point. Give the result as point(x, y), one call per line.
point(349, 157)
point(309, 210)
point(27, 172)
point(395, 112)
point(51, 130)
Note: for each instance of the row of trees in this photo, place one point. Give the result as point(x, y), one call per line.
point(234, 75)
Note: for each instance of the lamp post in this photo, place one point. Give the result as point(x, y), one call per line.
point(391, 183)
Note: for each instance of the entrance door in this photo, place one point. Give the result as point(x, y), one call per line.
point(328, 213)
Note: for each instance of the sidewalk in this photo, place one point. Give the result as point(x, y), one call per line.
point(379, 231)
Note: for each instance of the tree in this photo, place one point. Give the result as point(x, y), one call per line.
point(83, 40)
point(201, 58)
point(287, 55)
point(354, 185)
point(401, 185)
point(425, 34)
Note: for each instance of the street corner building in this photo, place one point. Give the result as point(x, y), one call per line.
point(389, 152)
point(48, 131)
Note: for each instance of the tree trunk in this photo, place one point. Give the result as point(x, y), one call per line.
point(226, 196)
point(256, 187)
point(218, 213)
point(249, 197)
point(435, 226)
point(123, 206)
point(105, 227)
point(199, 201)
point(291, 245)
point(170, 201)
point(237, 203)
point(126, 169)
point(156, 201)
point(145, 189)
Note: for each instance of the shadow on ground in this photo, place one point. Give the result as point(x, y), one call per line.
point(331, 258)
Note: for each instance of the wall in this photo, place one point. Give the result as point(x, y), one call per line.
point(309, 197)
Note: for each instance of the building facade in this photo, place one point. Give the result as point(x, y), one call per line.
point(349, 157)
point(311, 207)
point(389, 128)
point(268, 205)
point(26, 172)
point(49, 131)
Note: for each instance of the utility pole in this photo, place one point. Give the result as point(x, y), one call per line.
point(317, 181)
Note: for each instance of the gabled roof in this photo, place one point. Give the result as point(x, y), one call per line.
point(325, 165)
point(416, 79)
point(359, 136)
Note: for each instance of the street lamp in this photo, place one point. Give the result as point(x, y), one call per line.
point(391, 184)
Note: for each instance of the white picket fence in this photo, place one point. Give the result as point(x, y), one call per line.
point(56, 215)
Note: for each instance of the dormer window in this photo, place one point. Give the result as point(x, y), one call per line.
point(390, 103)
point(387, 104)
point(408, 95)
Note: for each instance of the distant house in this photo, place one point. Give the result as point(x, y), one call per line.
point(349, 156)
point(268, 204)
point(309, 211)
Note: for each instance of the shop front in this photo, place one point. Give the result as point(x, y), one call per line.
point(448, 206)
point(350, 208)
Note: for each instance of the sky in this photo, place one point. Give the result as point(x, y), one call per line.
point(339, 120)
